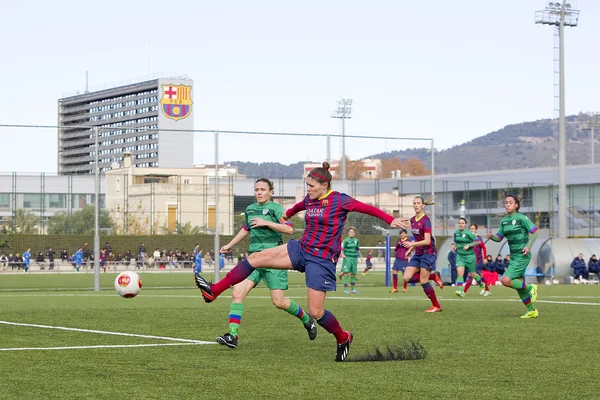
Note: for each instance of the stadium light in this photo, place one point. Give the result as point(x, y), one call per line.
point(560, 15)
point(343, 112)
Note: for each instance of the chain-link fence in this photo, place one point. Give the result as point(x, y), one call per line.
point(168, 213)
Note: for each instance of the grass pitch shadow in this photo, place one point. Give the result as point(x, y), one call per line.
point(396, 352)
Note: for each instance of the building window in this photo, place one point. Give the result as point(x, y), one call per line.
point(4, 200)
point(31, 200)
point(57, 200)
point(78, 201)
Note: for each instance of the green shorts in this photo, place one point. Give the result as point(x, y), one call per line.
point(517, 266)
point(469, 262)
point(274, 278)
point(350, 265)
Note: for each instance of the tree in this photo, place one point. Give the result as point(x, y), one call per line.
point(389, 166)
point(354, 169)
point(136, 221)
point(80, 222)
point(414, 167)
point(187, 229)
point(24, 222)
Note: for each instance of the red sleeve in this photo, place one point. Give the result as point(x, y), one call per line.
point(295, 209)
point(355, 205)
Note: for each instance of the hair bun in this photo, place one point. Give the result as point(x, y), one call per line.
point(326, 165)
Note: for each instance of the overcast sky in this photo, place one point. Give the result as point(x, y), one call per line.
point(451, 70)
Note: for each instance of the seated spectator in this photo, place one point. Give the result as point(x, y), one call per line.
point(499, 266)
point(3, 261)
point(489, 271)
point(50, 254)
point(12, 261)
point(594, 265)
point(39, 259)
point(64, 256)
point(579, 269)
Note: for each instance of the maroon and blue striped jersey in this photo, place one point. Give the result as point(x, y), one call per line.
point(419, 227)
point(401, 250)
point(480, 250)
point(325, 218)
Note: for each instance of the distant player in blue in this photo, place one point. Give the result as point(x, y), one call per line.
point(198, 261)
point(221, 261)
point(27, 260)
point(78, 259)
point(315, 254)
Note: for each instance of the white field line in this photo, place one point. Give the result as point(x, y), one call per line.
point(116, 346)
point(63, 328)
point(349, 297)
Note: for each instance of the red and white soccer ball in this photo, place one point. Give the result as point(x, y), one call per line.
point(128, 284)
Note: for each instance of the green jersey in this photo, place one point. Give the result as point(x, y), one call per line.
point(351, 247)
point(263, 237)
point(516, 228)
point(463, 238)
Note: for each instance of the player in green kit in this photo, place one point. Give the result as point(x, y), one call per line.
point(265, 224)
point(465, 256)
point(350, 253)
point(520, 233)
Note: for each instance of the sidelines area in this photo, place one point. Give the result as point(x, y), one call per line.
point(181, 342)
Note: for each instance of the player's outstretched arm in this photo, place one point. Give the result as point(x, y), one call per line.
point(296, 208)
point(494, 237)
point(238, 238)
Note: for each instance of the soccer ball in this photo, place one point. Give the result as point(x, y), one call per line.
point(128, 284)
point(498, 283)
point(555, 281)
point(548, 282)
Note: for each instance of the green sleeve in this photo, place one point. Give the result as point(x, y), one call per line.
point(278, 211)
point(527, 223)
point(500, 231)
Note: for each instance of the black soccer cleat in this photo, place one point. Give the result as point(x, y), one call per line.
point(311, 328)
point(344, 348)
point(228, 340)
point(205, 287)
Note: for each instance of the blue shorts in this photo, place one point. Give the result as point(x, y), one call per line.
point(319, 272)
point(426, 261)
point(399, 265)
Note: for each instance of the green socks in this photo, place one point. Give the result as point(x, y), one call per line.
point(235, 317)
point(295, 310)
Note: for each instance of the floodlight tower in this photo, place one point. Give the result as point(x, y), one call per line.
point(592, 124)
point(343, 111)
point(560, 15)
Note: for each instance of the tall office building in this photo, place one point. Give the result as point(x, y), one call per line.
point(151, 119)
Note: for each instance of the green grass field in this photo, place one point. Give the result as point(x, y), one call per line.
point(478, 348)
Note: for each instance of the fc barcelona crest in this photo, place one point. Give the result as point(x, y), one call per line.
point(176, 101)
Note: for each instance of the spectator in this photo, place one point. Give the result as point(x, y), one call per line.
point(229, 255)
point(499, 266)
point(379, 250)
point(579, 269)
point(64, 256)
point(118, 260)
point(142, 251)
point(12, 261)
point(72, 260)
point(139, 261)
point(107, 248)
point(452, 263)
point(103, 259)
point(594, 266)
point(489, 271)
point(156, 255)
point(50, 254)
point(18, 261)
point(40, 260)
point(506, 262)
point(128, 257)
point(86, 250)
point(163, 261)
point(3, 261)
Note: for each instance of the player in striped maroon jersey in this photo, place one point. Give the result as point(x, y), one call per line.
point(424, 252)
point(315, 254)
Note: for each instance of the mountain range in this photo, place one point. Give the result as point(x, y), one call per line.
point(523, 145)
